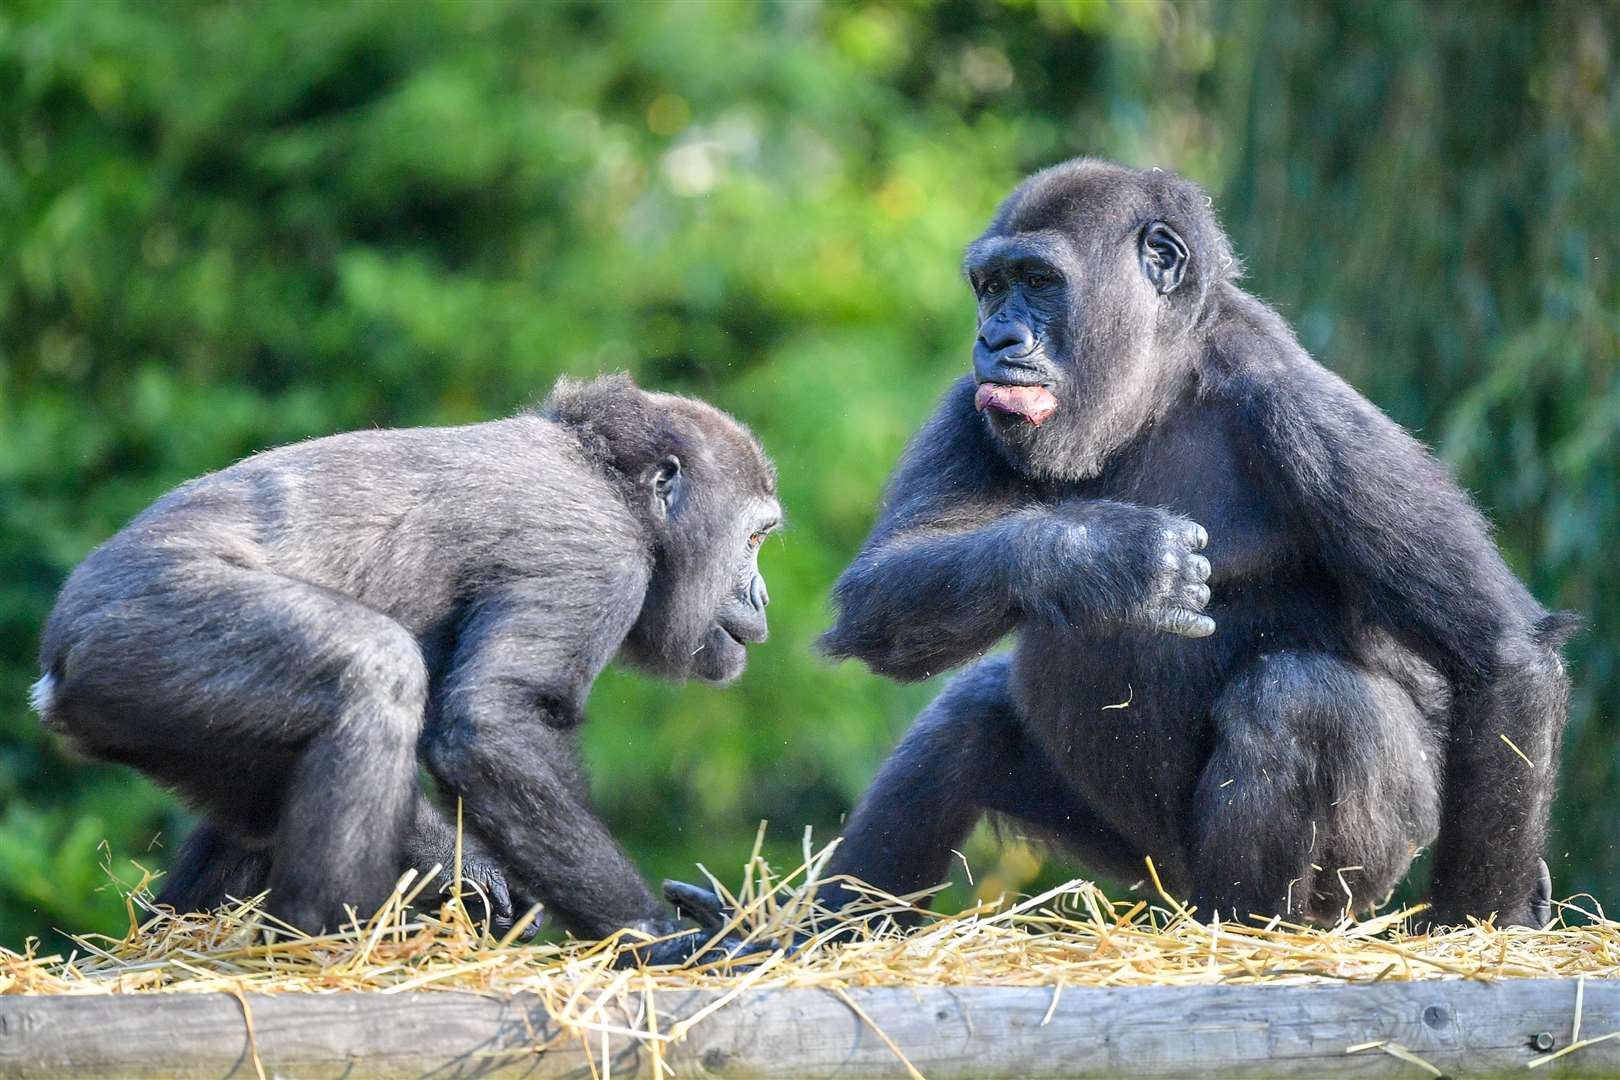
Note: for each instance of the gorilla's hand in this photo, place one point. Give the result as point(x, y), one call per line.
point(487, 896)
point(681, 946)
point(484, 889)
point(1178, 591)
point(714, 914)
point(1537, 913)
point(1135, 565)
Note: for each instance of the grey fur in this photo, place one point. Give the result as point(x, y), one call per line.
point(42, 695)
point(282, 641)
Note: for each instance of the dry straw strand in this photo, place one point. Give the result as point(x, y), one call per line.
point(1070, 936)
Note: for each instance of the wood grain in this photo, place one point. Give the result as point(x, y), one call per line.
point(1464, 1029)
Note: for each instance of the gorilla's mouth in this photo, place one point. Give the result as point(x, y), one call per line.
point(721, 657)
point(1033, 403)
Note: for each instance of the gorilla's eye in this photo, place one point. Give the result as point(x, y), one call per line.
point(1037, 279)
point(990, 287)
point(756, 539)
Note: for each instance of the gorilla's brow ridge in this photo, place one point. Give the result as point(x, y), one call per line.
point(1047, 243)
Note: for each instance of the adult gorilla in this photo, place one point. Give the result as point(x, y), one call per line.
point(1363, 679)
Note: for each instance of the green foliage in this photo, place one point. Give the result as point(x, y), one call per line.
point(227, 226)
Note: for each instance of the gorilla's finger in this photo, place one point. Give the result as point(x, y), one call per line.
point(500, 898)
point(1541, 900)
point(1185, 622)
point(688, 948)
point(697, 903)
point(731, 947)
point(1195, 536)
point(521, 907)
point(1197, 567)
point(1170, 561)
point(668, 953)
point(1195, 596)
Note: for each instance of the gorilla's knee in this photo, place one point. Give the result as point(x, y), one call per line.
point(386, 681)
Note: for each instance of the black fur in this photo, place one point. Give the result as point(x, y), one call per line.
point(281, 642)
point(1369, 649)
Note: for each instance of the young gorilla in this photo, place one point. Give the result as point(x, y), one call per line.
point(1286, 747)
point(280, 641)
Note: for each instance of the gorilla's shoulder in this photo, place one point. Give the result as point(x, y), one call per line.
point(1293, 410)
point(1254, 360)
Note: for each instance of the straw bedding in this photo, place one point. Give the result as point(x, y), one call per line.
point(1070, 936)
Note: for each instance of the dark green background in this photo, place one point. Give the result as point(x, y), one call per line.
point(226, 226)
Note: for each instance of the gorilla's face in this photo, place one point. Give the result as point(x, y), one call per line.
point(714, 502)
point(1070, 309)
point(739, 619)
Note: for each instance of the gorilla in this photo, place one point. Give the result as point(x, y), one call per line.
point(1261, 636)
point(282, 642)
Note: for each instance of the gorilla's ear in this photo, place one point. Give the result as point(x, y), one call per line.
point(666, 482)
point(1164, 257)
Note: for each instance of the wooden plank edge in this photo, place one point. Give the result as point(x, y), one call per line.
point(1461, 1028)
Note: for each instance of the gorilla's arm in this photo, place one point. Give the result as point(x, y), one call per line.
point(504, 743)
point(964, 550)
point(1404, 541)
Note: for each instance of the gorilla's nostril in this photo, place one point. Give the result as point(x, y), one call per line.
point(1015, 339)
point(757, 594)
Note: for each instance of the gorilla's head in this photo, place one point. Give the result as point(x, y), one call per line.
point(1089, 281)
point(713, 500)
point(707, 495)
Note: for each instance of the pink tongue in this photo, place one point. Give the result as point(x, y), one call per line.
point(1033, 403)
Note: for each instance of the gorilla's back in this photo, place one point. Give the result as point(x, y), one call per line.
point(417, 530)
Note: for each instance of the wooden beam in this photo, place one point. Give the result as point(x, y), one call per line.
point(1461, 1028)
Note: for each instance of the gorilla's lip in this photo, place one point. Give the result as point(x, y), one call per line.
point(1034, 402)
point(730, 633)
point(723, 660)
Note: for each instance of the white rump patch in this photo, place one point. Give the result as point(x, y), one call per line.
point(42, 695)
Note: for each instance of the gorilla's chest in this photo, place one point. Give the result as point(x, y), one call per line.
point(1125, 713)
point(1199, 469)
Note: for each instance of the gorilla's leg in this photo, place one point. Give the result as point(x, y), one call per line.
point(286, 712)
point(350, 795)
point(1494, 828)
point(211, 868)
point(966, 754)
point(1323, 784)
